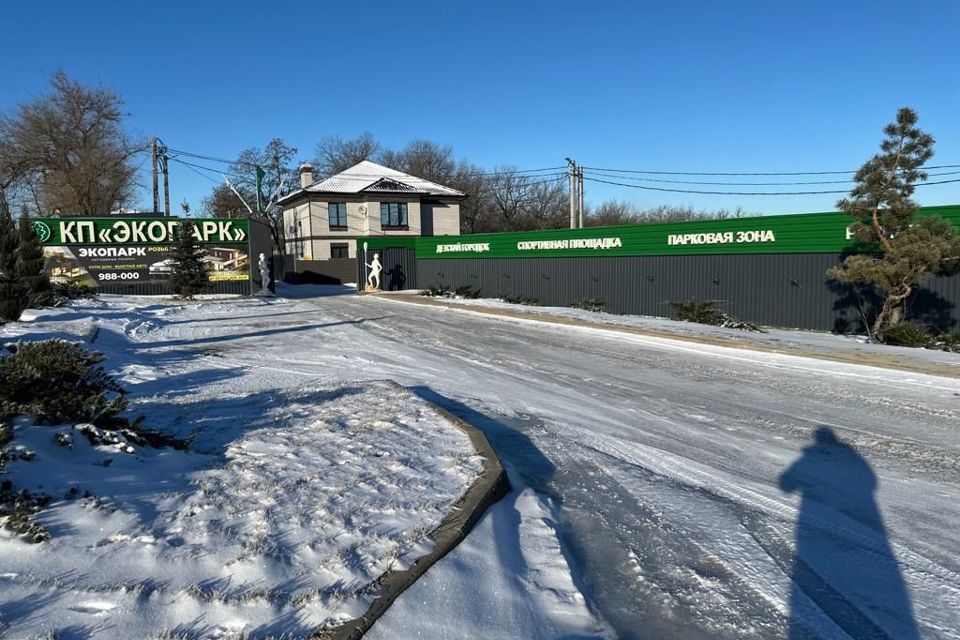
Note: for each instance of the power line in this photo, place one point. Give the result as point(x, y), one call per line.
point(199, 156)
point(746, 193)
point(200, 166)
point(194, 166)
point(191, 167)
point(744, 173)
point(745, 184)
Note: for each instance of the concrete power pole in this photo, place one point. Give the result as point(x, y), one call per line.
point(573, 193)
point(156, 189)
point(166, 182)
point(580, 195)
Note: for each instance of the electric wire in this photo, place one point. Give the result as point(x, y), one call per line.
point(745, 193)
point(191, 168)
point(194, 167)
point(743, 184)
point(747, 173)
point(199, 156)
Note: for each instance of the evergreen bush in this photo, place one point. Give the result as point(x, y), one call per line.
point(11, 293)
point(189, 277)
point(699, 311)
point(73, 291)
point(33, 280)
point(908, 335)
point(706, 312)
point(466, 291)
point(437, 291)
point(590, 304)
point(951, 342)
point(520, 299)
point(58, 381)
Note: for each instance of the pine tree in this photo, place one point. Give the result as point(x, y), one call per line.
point(909, 249)
point(11, 294)
point(189, 276)
point(33, 280)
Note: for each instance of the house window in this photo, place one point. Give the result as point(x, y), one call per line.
point(337, 212)
point(339, 250)
point(393, 214)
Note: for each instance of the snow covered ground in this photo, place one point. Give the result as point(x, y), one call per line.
point(291, 503)
point(663, 488)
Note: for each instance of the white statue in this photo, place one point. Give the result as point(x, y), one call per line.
point(264, 276)
point(375, 269)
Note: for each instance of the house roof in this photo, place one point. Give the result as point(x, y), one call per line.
point(370, 177)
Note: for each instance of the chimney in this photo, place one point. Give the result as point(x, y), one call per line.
point(306, 175)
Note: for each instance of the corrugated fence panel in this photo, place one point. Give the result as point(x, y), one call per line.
point(399, 268)
point(789, 290)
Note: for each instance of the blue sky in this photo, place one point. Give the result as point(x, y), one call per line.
point(676, 86)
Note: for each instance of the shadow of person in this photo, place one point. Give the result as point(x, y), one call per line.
point(853, 579)
point(397, 278)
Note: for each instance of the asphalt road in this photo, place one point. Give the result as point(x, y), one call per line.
point(699, 501)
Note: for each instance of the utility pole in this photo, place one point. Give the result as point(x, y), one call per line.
point(156, 189)
point(166, 182)
point(573, 192)
point(580, 195)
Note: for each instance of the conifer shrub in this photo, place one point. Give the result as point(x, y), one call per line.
point(437, 291)
point(520, 299)
point(951, 342)
point(706, 312)
point(58, 381)
point(189, 277)
point(596, 305)
point(699, 311)
point(73, 291)
point(907, 335)
point(11, 293)
point(33, 280)
point(466, 291)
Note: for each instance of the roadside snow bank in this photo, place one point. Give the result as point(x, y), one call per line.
point(280, 531)
point(480, 598)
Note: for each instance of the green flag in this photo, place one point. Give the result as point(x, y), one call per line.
point(260, 199)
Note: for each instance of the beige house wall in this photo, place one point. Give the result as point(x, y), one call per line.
point(314, 235)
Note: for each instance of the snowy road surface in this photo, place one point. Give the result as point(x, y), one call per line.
point(681, 478)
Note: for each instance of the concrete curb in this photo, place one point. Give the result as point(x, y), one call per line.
point(883, 361)
point(488, 489)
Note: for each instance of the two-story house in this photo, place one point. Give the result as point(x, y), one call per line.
point(323, 219)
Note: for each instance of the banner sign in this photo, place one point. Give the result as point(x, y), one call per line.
point(798, 233)
point(114, 231)
point(95, 251)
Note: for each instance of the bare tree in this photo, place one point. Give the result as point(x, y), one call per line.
point(473, 209)
point(614, 212)
point(611, 212)
point(519, 202)
point(276, 160)
point(224, 203)
point(335, 154)
point(68, 151)
point(547, 204)
point(424, 159)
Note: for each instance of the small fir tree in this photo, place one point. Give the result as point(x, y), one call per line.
point(33, 280)
point(11, 293)
point(189, 276)
point(908, 249)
